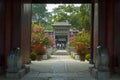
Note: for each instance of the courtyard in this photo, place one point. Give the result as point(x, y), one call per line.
point(59, 67)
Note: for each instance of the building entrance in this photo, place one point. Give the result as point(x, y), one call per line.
point(61, 42)
point(61, 32)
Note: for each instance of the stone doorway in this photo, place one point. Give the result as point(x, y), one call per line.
point(61, 32)
point(61, 42)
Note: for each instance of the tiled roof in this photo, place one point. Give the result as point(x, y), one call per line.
point(61, 24)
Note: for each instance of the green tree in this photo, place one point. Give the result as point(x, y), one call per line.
point(78, 16)
point(63, 12)
point(83, 38)
point(85, 16)
point(40, 14)
point(49, 28)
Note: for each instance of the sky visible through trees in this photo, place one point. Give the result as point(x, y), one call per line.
point(50, 7)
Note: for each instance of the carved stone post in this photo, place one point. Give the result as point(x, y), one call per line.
point(14, 62)
point(101, 69)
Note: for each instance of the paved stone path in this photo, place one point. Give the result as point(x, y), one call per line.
point(61, 52)
point(59, 67)
point(60, 63)
point(57, 76)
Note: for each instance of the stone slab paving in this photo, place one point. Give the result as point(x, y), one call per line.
point(57, 76)
point(59, 67)
point(61, 52)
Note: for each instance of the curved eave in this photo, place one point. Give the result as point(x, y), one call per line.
point(61, 25)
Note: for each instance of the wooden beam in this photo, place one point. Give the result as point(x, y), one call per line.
point(61, 1)
point(92, 33)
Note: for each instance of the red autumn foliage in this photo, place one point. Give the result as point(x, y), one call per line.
point(81, 49)
point(39, 49)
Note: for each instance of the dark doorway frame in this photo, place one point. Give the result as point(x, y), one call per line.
point(76, 2)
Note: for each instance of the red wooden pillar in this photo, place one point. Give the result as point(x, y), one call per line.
point(117, 32)
point(110, 32)
point(92, 32)
point(26, 31)
point(95, 29)
point(1, 33)
point(7, 32)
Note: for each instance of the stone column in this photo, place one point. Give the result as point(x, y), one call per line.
point(54, 35)
point(68, 38)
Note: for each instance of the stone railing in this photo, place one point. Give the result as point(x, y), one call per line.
point(72, 49)
point(49, 52)
point(73, 53)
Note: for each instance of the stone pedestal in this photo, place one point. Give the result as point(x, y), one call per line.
point(49, 52)
point(99, 75)
point(49, 55)
point(77, 57)
point(18, 74)
point(0, 70)
point(117, 70)
point(73, 54)
point(103, 75)
point(45, 57)
point(0, 64)
point(93, 72)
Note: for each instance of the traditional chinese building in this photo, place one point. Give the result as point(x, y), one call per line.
point(61, 31)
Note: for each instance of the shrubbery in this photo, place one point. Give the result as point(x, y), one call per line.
point(87, 57)
point(83, 38)
point(81, 49)
point(39, 49)
point(82, 43)
point(40, 41)
point(40, 37)
point(33, 56)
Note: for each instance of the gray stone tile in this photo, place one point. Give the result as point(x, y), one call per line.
point(59, 76)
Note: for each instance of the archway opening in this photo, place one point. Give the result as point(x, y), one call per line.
point(73, 14)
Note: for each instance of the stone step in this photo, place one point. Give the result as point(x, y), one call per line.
point(61, 52)
point(57, 76)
